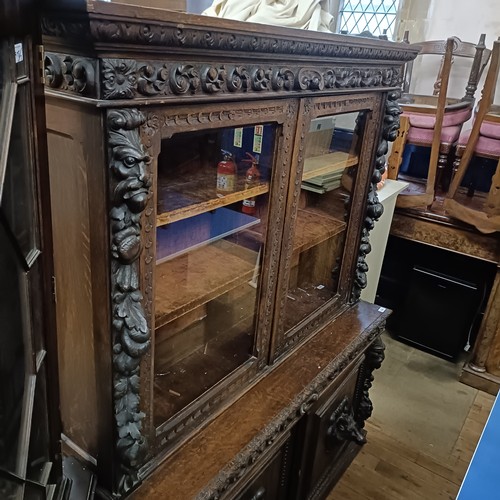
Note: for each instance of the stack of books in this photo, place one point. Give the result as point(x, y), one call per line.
point(323, 183)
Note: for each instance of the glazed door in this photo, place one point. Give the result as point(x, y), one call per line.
point(221, 178)
point(24, 427)
point(333, 156)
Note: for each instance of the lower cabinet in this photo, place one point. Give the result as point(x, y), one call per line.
point(307, 462)
point(294, 433)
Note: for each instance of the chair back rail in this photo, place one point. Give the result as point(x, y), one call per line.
point(488, 94)
point(478, 52)
point(486, 220)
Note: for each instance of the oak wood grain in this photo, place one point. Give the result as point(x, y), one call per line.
point(229, 438)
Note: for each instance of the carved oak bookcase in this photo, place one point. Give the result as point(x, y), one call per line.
point(213, 190)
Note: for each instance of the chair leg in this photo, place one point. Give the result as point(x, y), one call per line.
point(492, 204)
point(442, 164)
point(456, 161)
point(398, 147)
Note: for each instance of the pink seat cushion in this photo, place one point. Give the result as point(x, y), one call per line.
point(485, 145)
point(428, 120)
point(424, 135)
point(490, 129)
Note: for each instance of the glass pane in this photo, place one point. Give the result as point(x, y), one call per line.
point(37, 468)
point(12, 361)
point(18, 191)
point(37, 305)
point(331, 157)
point(9, 490)
point(3, 71)
point(212, 214)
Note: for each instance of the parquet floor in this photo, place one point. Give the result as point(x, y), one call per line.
point(388, 469)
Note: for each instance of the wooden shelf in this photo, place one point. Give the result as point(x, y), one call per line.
point(314, 227)
point(181, 237)
point(195, 278)
point(192, 279)
point(190, 377)
point(326, 164)
point(190, 195)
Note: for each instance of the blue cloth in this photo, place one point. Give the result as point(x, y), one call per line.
point(482, 479)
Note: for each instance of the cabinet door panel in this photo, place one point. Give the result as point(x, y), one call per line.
point(220, 202)
point(334, 162)
point(330, 430)
point(272, 483)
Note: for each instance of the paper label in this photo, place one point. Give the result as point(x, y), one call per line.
point(18, 52)
point(257, 138)
point(238, 137)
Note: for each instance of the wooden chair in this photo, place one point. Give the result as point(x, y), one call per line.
point(436, 120)
point(483, 140)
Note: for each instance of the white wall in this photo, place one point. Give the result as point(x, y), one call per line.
point(439, 19)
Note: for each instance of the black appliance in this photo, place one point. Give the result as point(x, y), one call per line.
point(438, 297)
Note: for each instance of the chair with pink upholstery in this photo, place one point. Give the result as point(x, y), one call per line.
point(482, 140)
point(436, 120)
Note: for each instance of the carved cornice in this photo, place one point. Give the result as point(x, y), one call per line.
point(375, 209)
point(130, 192)
point(176, 34)
point(131, 79)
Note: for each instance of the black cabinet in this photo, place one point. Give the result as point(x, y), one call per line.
point(438, 297)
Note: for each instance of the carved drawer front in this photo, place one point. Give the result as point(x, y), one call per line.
point(270, 479)
point(331, 426)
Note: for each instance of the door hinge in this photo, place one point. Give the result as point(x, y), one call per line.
point(41, 63)
point(54, 289)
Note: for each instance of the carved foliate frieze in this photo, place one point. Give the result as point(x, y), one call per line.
point(130, 192)
point(71, 73)
point(374, 208)
point(130, 79)
point(126, 79)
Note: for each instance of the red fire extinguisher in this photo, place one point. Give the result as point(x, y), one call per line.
point(252, 178)
point(226, 174)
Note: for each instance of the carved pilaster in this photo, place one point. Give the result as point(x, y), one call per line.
point(130, 190)
point(374, 208)
point(373, 361)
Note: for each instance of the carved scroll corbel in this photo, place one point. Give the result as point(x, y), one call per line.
point(130, 190)
point(343, 426)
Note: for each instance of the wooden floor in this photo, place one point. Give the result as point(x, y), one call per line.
point(387, 469)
